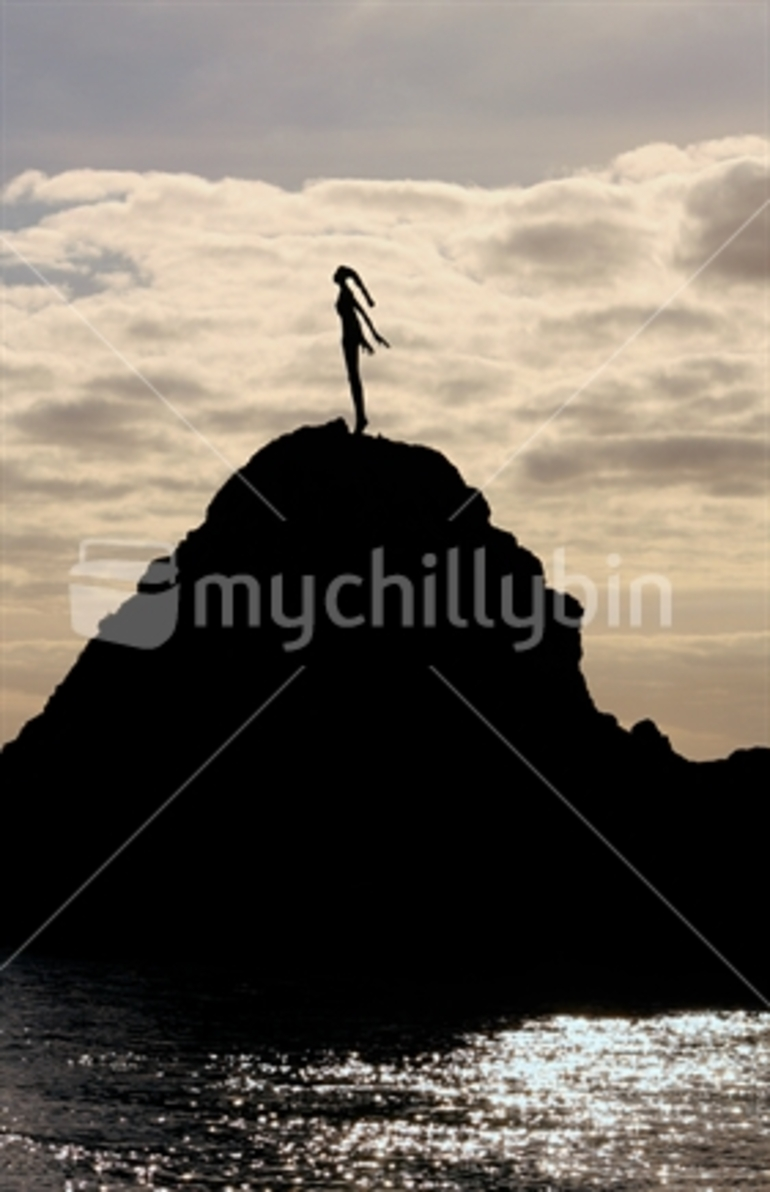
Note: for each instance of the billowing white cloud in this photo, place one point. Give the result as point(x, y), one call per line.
point(523, 321)
point(722, 200)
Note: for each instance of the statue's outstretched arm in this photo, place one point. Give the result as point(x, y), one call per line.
point(380, 339)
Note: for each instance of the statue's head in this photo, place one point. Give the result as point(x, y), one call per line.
point(345, 273)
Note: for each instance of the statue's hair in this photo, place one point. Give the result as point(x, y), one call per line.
point(346, 272)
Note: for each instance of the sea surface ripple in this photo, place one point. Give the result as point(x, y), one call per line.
point(113, 1080)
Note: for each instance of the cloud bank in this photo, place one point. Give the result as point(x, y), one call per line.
point(582, 300)
point(496, 93)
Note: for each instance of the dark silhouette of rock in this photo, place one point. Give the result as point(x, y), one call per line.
point(367, 822)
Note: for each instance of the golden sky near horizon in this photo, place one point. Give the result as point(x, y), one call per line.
point(584, 335)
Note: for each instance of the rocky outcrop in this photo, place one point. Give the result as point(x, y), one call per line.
point(386, 756)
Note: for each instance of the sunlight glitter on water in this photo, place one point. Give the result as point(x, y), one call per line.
point(663, 1102)
point(105, 1093)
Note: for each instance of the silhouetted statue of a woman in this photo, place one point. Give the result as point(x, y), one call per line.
point(349, 309)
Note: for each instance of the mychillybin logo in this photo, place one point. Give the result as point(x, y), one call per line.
point(451, 591)
point(105, 602)
point(467, 595)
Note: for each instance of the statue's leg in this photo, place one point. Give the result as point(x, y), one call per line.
point(356, 388)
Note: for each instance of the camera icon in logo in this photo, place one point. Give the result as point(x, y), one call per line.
point(143, 611)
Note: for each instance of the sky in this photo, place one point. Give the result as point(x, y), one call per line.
point(558, 208)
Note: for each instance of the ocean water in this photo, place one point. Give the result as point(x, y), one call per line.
point(123, 1079)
